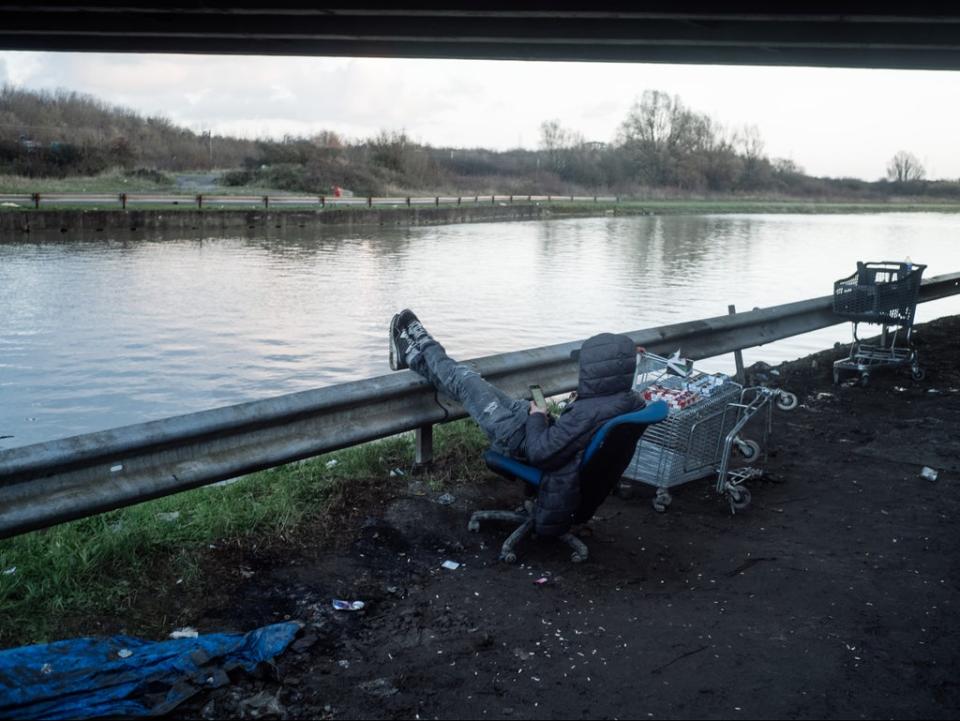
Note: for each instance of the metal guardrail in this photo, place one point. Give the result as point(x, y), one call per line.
point(49, 483)
point(200, 201)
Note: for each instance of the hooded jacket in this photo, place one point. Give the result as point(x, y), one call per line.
point(604, 391)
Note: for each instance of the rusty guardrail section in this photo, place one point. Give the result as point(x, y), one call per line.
point(49, 483)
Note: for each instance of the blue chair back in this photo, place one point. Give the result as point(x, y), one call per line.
point(609, 453)
point(605, 458)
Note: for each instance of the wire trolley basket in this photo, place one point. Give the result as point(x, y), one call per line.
point(696, 440)
point(883, 293)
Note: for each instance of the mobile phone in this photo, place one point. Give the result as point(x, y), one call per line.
point(536, 392)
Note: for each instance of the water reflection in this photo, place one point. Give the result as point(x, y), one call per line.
point(102, 331)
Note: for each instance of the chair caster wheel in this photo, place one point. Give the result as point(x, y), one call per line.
point(577, 558)
point(473, 526)
point(510, 557)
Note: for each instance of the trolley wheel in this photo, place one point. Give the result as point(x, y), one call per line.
point(836, 376)
point(473, 526)
point(624, 491)
point(662, 500)
point(749, 449)
point(787, 401)
point(864, 380)
point(509, 557)
point(739, 497)
point(918, 373)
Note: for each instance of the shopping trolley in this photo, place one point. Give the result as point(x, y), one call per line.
point(708, 413)
point(886, 294)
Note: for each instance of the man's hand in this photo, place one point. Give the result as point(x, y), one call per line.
point(534, 408)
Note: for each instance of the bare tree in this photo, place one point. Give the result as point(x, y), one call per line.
point(904, 167)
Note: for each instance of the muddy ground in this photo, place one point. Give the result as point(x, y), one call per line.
point(835, 595)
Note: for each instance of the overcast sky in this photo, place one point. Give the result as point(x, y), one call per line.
point(831, 122)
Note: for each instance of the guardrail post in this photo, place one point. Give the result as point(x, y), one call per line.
point(123, 201)
point(424, 446)
point(458, 200)
point(408, 201)
point(476, 199)
point(323, 201)
point(529, 198)
point(571, 198)
point(737, 354)
point(436, 201)
point(36, 200)
point(369, 201)
point(266, 201)
point(549, 198)
point(493, 200)
point(199, 201)
point(594, 198)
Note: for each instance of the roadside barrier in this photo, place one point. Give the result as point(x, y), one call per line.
point(124, 201)
point(53, 482)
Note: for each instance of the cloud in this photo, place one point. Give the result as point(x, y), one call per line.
point(837, 122)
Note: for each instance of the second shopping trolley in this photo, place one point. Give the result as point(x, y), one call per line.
point(882, 293)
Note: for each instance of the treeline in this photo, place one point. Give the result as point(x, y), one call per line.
point(662, 149)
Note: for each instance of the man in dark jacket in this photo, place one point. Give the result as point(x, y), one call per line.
point(519, 428)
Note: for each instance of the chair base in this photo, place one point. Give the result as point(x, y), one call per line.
point(524, 517)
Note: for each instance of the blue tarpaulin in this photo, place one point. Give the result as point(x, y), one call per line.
point(124, 676)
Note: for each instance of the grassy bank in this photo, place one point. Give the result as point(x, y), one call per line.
point(97, 566)
point(624, 207)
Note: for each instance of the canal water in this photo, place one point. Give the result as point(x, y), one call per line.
point(106, 331)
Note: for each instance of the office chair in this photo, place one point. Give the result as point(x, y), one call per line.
point(605, 458)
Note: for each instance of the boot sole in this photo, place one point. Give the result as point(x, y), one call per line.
point(397, 362)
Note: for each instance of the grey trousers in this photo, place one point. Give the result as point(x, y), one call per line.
point(502, 418)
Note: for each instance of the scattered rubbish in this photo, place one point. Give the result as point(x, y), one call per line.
point(380, 687)
point(185, 632)
point(169, 517)
point(393, 590)
point(523, 655)
point(263, 704)
point(446, 499)
point(417, 488)
point(339, 605)
point(450, 565)
point(929, 474)
point(9, 205)
point(10, 571)
point(542, 580)
point(824, 396)
point(331, 464)
point(397, 472)
point(343, 663)
point(124, 653)
point(46, 669)
point(935, 391)
point(899, 389)
point(246, 572)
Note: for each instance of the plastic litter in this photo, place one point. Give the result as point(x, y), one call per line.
point(542, 580)
point(450, 565)
point(340, 605)
point(446, 499)
point(127, 677)
point(929, 474)
point(185, 632)
point(168, 517)
point(10, 571)
point(331, 464)
point(397, 472)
